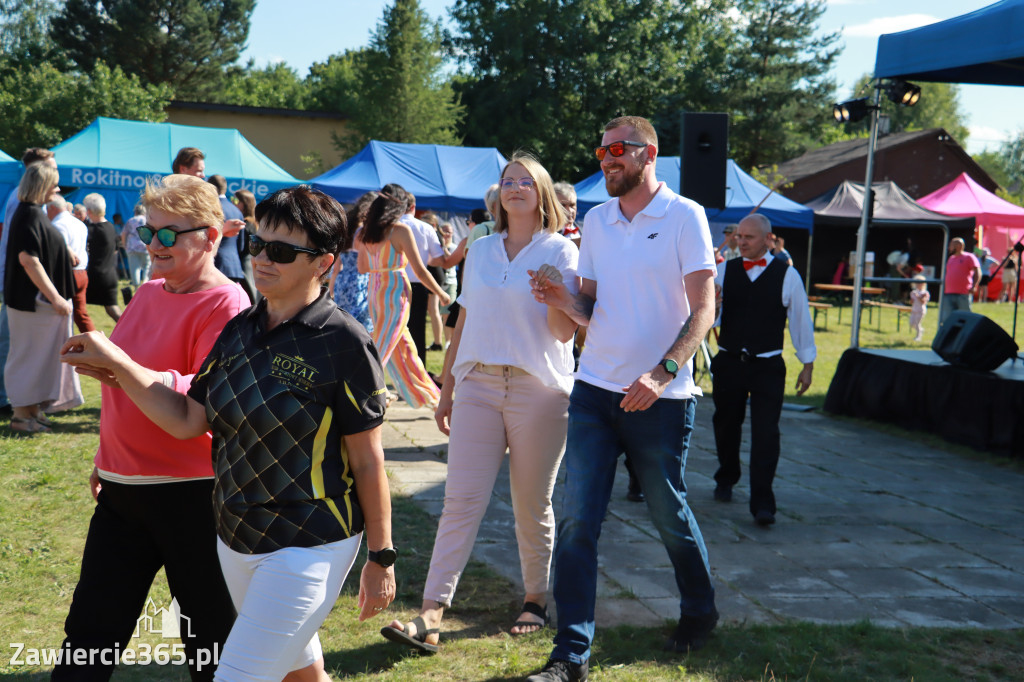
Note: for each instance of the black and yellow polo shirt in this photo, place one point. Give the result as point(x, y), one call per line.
point(279, 403)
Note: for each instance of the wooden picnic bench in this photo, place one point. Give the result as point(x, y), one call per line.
point(898, 307)
point(818, 307)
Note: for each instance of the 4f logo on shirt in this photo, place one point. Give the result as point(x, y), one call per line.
point(652, 235)
point(292, 370)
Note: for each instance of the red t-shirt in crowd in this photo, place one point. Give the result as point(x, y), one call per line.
point(960, 273)
point(168, 333)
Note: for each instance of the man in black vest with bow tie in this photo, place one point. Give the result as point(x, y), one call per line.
point(758, 293)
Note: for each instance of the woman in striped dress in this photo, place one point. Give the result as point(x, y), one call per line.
point(386, 246)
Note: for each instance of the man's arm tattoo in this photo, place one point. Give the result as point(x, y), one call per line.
point(686, 328)
point(582, 308)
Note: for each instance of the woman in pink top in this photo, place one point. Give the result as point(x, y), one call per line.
point(153, 492)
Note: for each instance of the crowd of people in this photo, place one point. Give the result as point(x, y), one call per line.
point(246, 382)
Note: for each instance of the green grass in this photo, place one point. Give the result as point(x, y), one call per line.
point(45, 508)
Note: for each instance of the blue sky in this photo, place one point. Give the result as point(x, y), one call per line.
point(300, 32)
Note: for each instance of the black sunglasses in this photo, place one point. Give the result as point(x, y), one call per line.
point(165, 235)
point(616, 149)
point(277, 252)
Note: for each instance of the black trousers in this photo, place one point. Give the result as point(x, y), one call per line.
point(418, 319)
point(763, 380)
point(135, 530)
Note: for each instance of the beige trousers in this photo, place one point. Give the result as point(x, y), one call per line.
point(491, 414)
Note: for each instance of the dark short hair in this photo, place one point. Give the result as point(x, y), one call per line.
point(186, 157)
point(304, 209)
point(35, 155)
point(219, 182)
point(479, 215)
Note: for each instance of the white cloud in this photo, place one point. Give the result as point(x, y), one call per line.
point(837, 3)
point(877, 27)
point(987, 135)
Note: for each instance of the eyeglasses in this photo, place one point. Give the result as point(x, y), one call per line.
point(616, 149)
point(525, 184)
point(277, 252)
point(165, 235)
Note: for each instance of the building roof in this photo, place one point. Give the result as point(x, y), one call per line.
point(854, 151)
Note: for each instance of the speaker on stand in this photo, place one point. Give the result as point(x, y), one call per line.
point(973, 341)
point(704, 149)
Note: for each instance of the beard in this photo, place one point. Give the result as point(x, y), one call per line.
point(632, 176)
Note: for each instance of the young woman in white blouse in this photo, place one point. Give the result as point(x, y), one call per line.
point(509, 368)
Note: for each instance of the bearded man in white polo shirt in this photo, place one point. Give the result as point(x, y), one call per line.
point(647, 296)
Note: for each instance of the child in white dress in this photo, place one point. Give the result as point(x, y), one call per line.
point(919, 298)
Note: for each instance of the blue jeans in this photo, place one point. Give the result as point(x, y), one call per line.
point(656, 441)
point(5, 347)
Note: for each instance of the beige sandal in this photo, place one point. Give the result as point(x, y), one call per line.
point(28, 426)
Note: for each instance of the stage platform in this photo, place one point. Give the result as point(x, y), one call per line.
point(917, 389)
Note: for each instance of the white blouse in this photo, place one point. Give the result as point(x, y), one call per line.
point(505, 325)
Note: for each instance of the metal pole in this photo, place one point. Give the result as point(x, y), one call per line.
point(862, 232)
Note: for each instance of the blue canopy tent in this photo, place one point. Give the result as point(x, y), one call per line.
point(742, 194)
point(985, 46)
point(114, 158)
point(10, 175)
point(442, 178)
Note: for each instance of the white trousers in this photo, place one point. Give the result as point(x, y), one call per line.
point(282, 599)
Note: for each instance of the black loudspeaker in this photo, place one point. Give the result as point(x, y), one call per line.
point(704, 148)
point(973, 341)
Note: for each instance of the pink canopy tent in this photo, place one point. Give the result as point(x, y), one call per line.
point(1001, 222)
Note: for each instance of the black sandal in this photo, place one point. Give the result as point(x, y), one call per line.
point(537, 610)
point(417, 641)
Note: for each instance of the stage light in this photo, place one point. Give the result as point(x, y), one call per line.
point(902, 92)
point(851, 111)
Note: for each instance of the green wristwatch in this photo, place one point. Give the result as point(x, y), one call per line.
point(671, 366)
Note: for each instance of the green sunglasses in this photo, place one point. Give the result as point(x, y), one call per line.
point(165, 235)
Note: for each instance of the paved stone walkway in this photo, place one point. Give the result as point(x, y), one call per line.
point(870, 526)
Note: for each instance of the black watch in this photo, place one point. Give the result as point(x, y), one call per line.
point(385, 557)
point(671, 366)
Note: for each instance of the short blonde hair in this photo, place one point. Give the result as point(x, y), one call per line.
point(552, 215)
point(37, 182)
point(187, 196)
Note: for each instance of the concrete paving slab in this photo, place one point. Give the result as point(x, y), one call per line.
point(871, 526)
point(979, 582)
point(950, 613)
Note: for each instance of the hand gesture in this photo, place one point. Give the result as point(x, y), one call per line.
point(376, 589)
point(547, 287)
point(92, 352)
point(443, 414)
point(61, 306)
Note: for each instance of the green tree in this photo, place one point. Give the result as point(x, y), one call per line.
point(276, 85)
point(780, 89)
point(334, 85)
point(403, 93)
point(41, 106)
point(939, 107)
point(183, 43)
point(546, 76)
point(24, 32)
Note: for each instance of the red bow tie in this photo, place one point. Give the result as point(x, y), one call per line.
point(747, 264)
